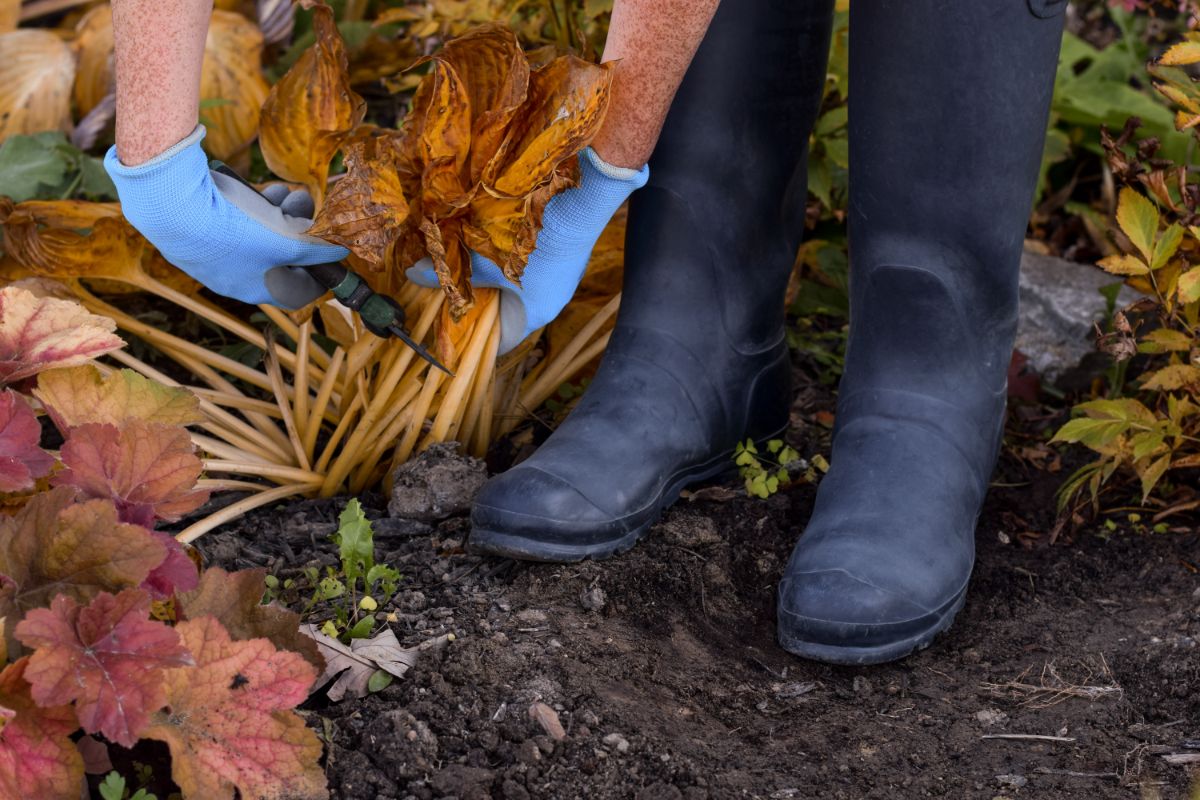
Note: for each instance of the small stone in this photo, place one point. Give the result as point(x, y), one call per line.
point(528, 752)
point(991, 716)
point(588, 717)
point(532, 617)
point(437, 484)
point(1012, 781)
point(862, 685)
point(615, 741)
point(593, 598)
point(583, 732)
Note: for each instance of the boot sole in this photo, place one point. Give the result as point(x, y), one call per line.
point(485, 541)
point(848, 655)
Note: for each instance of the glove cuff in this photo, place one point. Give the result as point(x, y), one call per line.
point(636, 178)
point(116, 169)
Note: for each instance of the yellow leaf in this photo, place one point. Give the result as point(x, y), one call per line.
point(1173, 377)
point(1183, 53)
point(311, 110)
point(1138, 219)
point(1123, 265)
point(45, 237)
point(445, 143)
point(93, 46)
point(36, 73)
point(80, 395)
point(232, 87)
point(568, 99)
point(1188, 286)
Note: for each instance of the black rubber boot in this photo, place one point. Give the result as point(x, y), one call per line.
point(697, 361)
point(948, 111)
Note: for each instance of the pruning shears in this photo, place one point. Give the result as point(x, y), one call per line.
point(381, 315)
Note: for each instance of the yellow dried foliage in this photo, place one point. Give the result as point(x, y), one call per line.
point(231, 85)
point(93, 46)
point(37, 72)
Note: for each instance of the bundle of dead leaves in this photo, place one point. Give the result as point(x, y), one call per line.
point(491, 137)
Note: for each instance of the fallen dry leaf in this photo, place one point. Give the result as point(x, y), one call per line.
point(311, 109)
point(36, 76)
point(354, 665)
point(93, 46)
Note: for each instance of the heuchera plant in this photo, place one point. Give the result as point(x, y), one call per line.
point(107, 624)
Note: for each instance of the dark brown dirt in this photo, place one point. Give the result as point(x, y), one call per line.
point(663, 668)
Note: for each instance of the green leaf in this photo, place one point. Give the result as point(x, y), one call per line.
point(379, 681)
point(1093, 433)
point(1152, 474)
point(1165, 340)
point(1138, 219)
point(94, 183)
point(356, 542)
point(1167, 245)
point(32, 165)
point(112, 787)
point(362, 629)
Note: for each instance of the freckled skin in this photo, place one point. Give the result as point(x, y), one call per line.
point(159, 53)
point(654, 42)
point(160, 50)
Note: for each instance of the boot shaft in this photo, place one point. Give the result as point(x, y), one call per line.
point(713, 236)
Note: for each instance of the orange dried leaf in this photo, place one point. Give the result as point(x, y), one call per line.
point(568, 99)
point(38, 333)
point(21, 460)
point(79, 395)
point(148, 471)
point(229, 723)
point(46, 237)
point(452, 263)
point(235, 598)
point(445, 144)
point(366, 206)
point(37, 757)
point(311, 110)
point(107, 657)
point(55, 545)
point(36, 75)
point(232, 83)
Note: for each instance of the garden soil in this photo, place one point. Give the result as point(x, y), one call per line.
point(661, 665)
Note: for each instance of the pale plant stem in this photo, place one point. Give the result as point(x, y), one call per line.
point(452, 406)
point(272, 471)
point(343, 425)
point(300, 408)
point(220, 447)
point(480, 399)
point(216, 485)
point(560, 369)
point(321, 404)
point(241, 403)
point(409, 388)
point(532, 401)
point(277, 315)
point(275, 373)
point(346, 459)
point(417, 419)
point(197, 529)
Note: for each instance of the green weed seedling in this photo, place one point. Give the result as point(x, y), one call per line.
point(113, 788)
point(356, 588)
point(764, 474)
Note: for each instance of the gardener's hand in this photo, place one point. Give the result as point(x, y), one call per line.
point(571, 225)
point(220, 231)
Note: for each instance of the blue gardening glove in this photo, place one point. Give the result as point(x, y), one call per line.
point(221, 232)
point(571, 225)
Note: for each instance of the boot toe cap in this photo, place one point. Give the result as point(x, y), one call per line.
point(831, 615)
point(532, 514)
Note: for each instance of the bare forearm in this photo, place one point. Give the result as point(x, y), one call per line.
point(653, 41)
point(159, 54)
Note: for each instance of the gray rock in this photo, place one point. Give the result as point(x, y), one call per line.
point(1060, 301)
point(593, 598)
point(437, 484)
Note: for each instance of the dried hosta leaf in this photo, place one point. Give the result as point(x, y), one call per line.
point(148, 471)
point(55, 545)
point(71, 239)
point(229, 722)
point(79, 395)
point(21, 460)
point(366, 206)
point(445, 144)
point(232, 88)
point(495, 74)
point(452, 263)
point(37, 757)
point(311, 109)
point(93, 46)
point(568, 99)
point(107, 657)
point(36, 74)
point(235, 598)
point(38, 333)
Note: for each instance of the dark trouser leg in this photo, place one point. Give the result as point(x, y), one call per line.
point(948, 109)
point(698, 360)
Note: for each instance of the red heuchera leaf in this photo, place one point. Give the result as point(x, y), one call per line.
point(107, 657)
point(21, 460)
point(148, 470)
point(177, 572)
point(229, 722)
point(55, 545)
point(235, 599)
point(37, 759)
point(38, 333)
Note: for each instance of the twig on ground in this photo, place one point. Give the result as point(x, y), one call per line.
point(1031, 736)
point(1052, 688)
